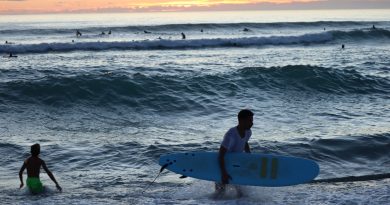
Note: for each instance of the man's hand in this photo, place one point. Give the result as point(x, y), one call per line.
point(59, 188)
point(225, 178)
point(21, 185)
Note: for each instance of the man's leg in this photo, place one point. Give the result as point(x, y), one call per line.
point(239, 191)
point(220, 188)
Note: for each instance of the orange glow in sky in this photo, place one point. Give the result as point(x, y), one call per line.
point(56, 6)
point(65, 6)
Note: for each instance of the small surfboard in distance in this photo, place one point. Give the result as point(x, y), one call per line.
point(243, 168)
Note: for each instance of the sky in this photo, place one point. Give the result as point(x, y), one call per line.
point(87, 6)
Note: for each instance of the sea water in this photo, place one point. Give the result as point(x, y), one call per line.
point(104, 107)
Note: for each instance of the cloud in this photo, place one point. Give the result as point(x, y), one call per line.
point(88, 6)
point(324, 4)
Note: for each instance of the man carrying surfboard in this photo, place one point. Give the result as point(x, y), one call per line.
point(235, 140)
point(231, 165)
point(33, 165)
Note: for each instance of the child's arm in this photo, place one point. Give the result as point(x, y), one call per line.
point(51, 175)
point(21, 174)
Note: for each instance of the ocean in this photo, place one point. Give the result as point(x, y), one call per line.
point(104, 107)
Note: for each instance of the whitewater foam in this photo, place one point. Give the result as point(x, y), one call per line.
point(107, 44)
point(166, 44)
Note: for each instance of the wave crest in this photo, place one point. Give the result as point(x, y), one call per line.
point(186, 92)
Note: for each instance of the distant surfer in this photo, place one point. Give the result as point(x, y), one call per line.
point(109, 32)
point(235, 140)
point(342, 46)
point(33, 165)
point(145, 31)
point(183, 36)
point(103, 33)
point(12, 55)
point(201, 30)
point(373, 27)
point(78, 33)
point(246, 30)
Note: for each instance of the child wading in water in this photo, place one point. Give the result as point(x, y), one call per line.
point(33, 165)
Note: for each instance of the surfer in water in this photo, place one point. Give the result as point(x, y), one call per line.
point(183, 36)
point(11, 55)
point(33, 165)
point(78, 33)
point(235, 140)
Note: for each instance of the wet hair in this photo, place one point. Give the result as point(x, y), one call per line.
point(35, 150)
point(243, 114)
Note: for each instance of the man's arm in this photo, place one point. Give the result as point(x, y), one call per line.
point(221, 160)
point(21, 175)
point(50, 175)
point(247, 148)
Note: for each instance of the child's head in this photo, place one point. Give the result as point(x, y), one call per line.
point(35, 150)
